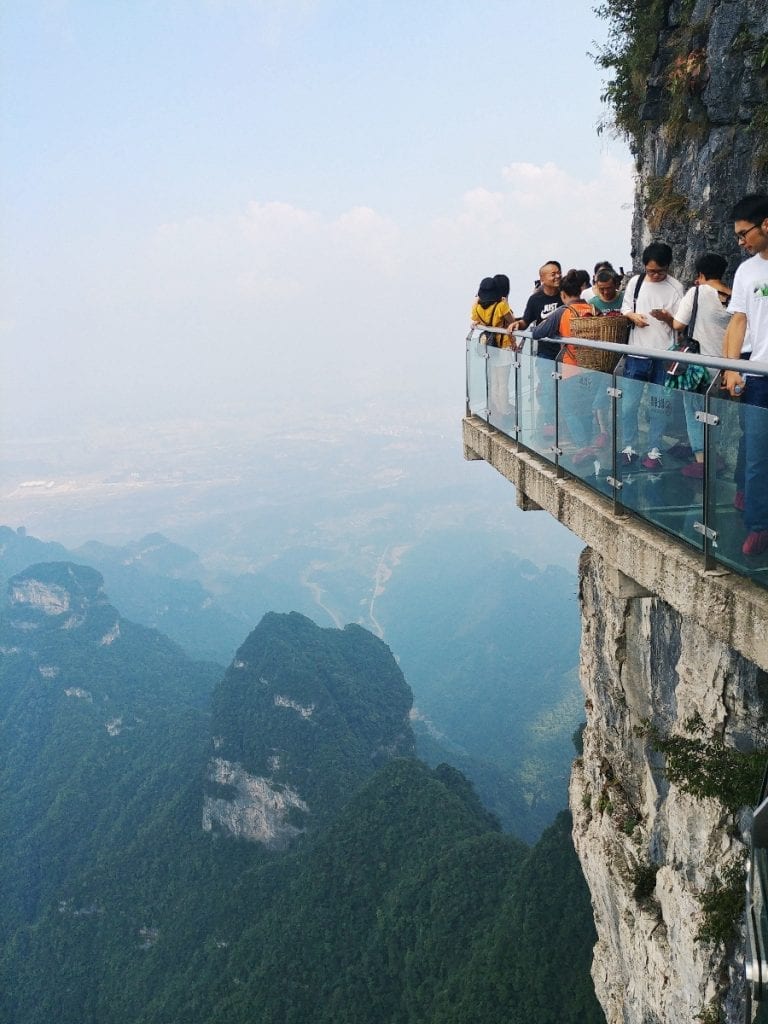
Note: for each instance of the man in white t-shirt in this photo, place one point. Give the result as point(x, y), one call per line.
point(650, 302)
point(749, 312)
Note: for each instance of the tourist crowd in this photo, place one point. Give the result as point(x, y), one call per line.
point(660, 314)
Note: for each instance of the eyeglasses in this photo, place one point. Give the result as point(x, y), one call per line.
point(742, 235)
point(661, 272)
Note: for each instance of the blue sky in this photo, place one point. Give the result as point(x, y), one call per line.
point(184, 182)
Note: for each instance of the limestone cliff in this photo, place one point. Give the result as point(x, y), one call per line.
point(689, 89)
point(646, 668)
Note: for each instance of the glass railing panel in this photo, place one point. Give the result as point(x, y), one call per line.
point(738, 486)
point(501, 386)
point(537, 403)
point(477, 385)
point(654, 457)
point(585, 425)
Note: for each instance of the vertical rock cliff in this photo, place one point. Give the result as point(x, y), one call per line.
point(688, 88)
point(651, 851)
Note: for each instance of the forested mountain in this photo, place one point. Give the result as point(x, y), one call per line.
point(397, 899)
point(488, 641)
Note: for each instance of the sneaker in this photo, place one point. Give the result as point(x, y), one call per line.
point(601, 440)
point(627, 456)
point(756, 543)
point(652, 460)
point(738, 501)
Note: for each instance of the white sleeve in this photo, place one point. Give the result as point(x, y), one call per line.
point(738, 303)
point(684, 310)
point(628, 301)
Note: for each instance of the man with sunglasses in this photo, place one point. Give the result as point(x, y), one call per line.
point(749, 313)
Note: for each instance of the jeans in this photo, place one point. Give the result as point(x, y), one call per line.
point(648, 371)
point(756, 454)
point(693, 403)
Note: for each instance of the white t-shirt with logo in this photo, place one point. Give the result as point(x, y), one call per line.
point(750, 296)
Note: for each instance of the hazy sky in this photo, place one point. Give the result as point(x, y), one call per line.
point(214, 200)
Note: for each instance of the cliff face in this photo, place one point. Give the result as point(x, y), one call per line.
point(647, 669)
point(701, 140)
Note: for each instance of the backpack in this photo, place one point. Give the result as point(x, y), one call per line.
point(488, 337)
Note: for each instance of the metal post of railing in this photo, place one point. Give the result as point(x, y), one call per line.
point(516, 366)
point(466, 373)
point(558, 449)
point(487, 358)
point(615, 393)
point(710, 420)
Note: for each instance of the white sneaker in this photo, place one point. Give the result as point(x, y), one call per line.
point(653, 459)
point(628, 455)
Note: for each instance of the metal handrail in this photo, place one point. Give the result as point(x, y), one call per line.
point(742, 366)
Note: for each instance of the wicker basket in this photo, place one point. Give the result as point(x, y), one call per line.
point(599, 328)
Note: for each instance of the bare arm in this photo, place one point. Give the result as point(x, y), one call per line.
point(735, 333)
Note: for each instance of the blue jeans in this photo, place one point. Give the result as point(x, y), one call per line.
point(648, 371)
point(756, 454)
point(693, 403)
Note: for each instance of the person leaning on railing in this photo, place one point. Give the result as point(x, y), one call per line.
point(749, 312)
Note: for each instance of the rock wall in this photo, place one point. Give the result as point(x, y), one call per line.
point(703, 140)
point(643, 663)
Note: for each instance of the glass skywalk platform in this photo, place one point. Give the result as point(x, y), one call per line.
point(595, 427)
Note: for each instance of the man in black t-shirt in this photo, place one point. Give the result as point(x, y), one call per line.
point(545, 300)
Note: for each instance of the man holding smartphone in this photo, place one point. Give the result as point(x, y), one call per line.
point(650, 302)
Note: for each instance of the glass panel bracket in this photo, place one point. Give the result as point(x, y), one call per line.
point(706, 531)
point(709, 418)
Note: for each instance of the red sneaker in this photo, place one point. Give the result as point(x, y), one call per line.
point(694, 470)
point(756, 543)
point(652, 460)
